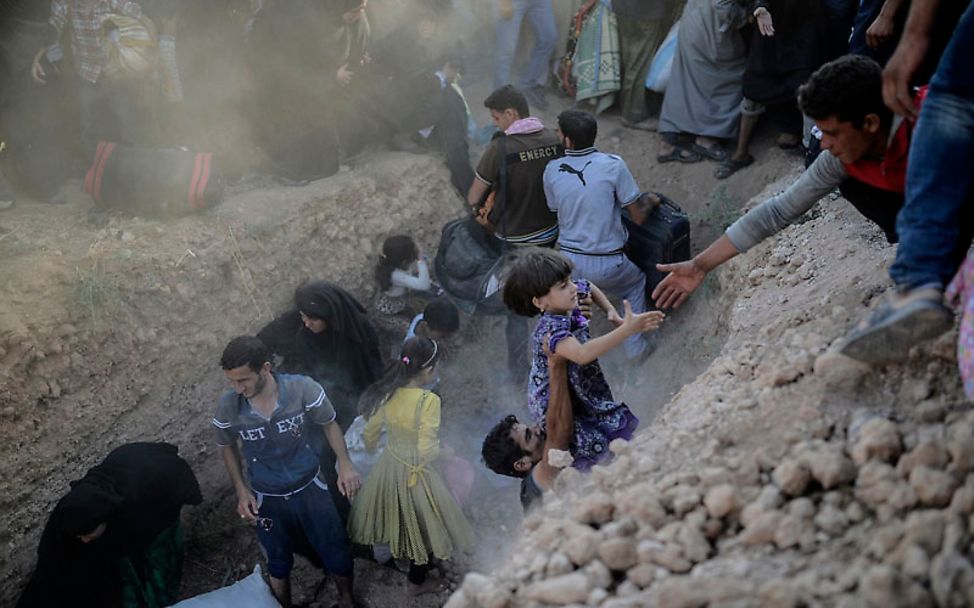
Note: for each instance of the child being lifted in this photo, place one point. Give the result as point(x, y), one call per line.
point(539, 280)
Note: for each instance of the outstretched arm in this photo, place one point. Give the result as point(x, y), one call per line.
point(632, 324)
point(684, 277)
point(765, 220)
point(558, 420)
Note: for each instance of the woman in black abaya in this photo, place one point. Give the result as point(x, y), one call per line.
point(115, 539)
point(328, 337)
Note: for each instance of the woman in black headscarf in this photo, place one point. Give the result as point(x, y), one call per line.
point(329, 338)
point(115, 538)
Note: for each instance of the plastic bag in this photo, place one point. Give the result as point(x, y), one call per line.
point(355, 443)
point(131, 52)
point(659, 70)
point(250, 592)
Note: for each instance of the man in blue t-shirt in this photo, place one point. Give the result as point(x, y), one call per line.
point(269, 419)
point(588, 190)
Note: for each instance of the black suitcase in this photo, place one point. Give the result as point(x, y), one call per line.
point(664, 238)
point(159, 182)
point(467, 264)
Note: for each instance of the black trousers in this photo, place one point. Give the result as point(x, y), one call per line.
point(879, 206)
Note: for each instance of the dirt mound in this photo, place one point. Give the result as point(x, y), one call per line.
point(785, 475)
point(111, 329)
point(113, 334)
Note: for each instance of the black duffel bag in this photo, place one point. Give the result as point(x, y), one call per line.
point(664, 238)
point(467, 266)
point(160, 182)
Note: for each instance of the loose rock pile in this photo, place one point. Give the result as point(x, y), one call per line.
point(785, 476)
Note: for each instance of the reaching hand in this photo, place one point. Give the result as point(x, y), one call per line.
point(879, 32)
point(643, 322)
point(899, 72)
point(765, 23)
point(677, 286)
point(344, 76)
point(247, 506)
point(349, 480)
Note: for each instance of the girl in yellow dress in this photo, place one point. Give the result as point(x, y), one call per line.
point(404, 502)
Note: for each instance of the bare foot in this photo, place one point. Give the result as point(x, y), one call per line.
point(429, 586)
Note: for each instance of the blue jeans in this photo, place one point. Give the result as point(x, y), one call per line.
point(286, 525)
point(541, 18)
point(936, 223)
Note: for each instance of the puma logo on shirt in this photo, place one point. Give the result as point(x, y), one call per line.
point(579, 173)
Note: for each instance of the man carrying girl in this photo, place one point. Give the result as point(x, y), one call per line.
point(539, 280)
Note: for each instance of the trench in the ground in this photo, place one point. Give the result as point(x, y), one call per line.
point(476, 393)
point(147, 370)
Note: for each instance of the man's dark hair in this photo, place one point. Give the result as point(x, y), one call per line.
point(500, 451)
point(849, 88)
point(442, 315)
point(531, 273)
point(580, 127)
point(508, 98)
point(245, 350)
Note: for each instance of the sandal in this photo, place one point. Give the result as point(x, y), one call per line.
point(715, 152)
point(680, 155)
point(730, 166)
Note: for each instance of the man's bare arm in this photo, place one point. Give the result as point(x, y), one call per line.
point(882, 27)
point(349, 480)
point(246, 501)
point(909, 55)
point(477, 193)
point(558, 420)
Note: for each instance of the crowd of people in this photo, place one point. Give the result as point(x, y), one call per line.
point(333, 389)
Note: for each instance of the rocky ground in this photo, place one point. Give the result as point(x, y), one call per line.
point(767, 469)
point(785, 474)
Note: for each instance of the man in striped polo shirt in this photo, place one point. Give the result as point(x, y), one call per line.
point(268, 420)
point(588, 190)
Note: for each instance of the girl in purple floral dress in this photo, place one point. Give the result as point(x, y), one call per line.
point(539, 280)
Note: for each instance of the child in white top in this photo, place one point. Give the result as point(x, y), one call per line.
point(402, 270)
